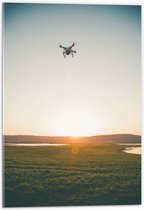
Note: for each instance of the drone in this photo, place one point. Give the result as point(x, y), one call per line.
point(68, 50)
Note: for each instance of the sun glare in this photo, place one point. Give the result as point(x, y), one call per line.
point(75, 124)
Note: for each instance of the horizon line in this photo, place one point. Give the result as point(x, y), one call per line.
point(72, 136)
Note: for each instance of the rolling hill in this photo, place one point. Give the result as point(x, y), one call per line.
point(115, 138)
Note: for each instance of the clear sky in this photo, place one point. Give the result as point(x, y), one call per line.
point(98, 91)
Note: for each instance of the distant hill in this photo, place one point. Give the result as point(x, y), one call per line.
point(121, 138)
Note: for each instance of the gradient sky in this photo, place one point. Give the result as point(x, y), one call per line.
point(96, 92)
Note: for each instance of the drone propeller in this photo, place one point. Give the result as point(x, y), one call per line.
point(74, 43)
point(59, 44)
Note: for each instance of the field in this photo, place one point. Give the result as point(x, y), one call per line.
point(75, 174)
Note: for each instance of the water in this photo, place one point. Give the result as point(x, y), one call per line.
point(36, 144)
point(133, 150)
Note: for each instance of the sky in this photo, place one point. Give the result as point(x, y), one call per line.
point(98, 91)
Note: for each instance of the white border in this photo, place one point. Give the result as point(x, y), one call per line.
point(115, 2)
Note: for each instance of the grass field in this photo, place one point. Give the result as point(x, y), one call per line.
point(75, 174)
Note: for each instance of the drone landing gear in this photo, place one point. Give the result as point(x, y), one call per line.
point(64, 55)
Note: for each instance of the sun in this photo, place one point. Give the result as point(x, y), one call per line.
point(75, 124)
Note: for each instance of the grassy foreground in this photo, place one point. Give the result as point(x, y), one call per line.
point(76, 174)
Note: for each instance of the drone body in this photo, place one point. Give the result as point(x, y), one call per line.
point(68, 50)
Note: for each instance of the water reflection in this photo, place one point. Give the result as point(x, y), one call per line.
point(35, 144)
point(132, 150)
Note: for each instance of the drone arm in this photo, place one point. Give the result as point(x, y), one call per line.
point(72, 45)
point(62, 47)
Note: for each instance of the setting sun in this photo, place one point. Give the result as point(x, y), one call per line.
point(75, 124)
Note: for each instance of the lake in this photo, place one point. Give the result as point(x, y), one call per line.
point(133, 150)
point(35, 144)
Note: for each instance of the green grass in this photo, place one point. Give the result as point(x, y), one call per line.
point(80, 174)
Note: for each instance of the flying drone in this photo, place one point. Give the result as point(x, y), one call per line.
point(68, 50)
